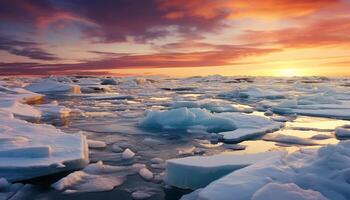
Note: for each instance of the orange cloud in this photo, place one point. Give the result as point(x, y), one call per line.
point(265, 9)
point(334, 31)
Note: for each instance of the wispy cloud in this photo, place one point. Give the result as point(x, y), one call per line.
point(25, 48)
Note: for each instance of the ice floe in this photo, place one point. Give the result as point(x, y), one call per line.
point(238, 126)
point(289, 139)
point(146, 174)
point(128, 154)
point(95, 144)
point(198, 171)
point(211, 105)
point(253, 93)
point(31, 150)
point(96, 177)
point(288, 191)
point(342, 132)
point(52, 86)
point(324, 171)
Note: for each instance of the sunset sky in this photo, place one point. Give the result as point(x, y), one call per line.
point(175, 37)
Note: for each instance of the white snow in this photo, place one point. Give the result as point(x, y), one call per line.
point(128, 154)
point(323, 170)
point(198, 171)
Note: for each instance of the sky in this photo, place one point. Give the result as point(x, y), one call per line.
point(175, 37)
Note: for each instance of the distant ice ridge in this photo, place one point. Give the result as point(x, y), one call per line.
point(307, 174)
point(234, 127)
point(252, 92)
point(318, 105)
point(30, 150)
point(52, 86)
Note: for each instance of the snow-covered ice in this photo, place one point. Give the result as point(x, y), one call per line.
point(320, 172)
point(198, 171)
point(212, 116)
point(233, 127)
point(288, 191)
point(31, 150)
point(51, 86)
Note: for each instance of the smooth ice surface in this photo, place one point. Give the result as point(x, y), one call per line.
point(324, 170)
point(198, 171)
point(31, 150)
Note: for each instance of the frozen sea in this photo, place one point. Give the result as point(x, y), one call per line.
point(167, 118)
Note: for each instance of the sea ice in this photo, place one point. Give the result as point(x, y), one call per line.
point(324, 171)
point(211, 105)
point(53, 110)
point(289, 191)
point(198, 171)
point(30, 150)
point(128, 154)
point(289, 139)
point(95, 177)
point(342, 132)
point(140, 194)
point(95, 144)
point(49, 86)
point(240, 125)
point(253, 93)
point(146, 174)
